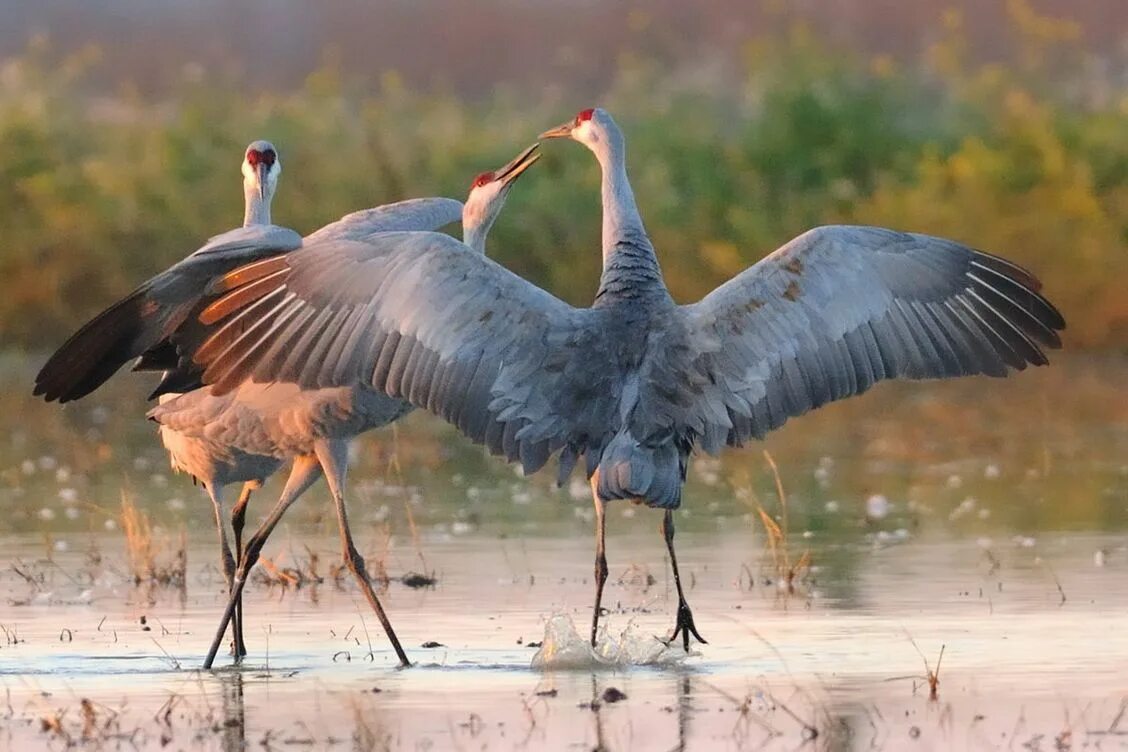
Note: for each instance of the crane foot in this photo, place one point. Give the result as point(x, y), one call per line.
point(685, 627)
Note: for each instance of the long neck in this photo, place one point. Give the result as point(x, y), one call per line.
point(630, 268)
point(257, 211)
point(475, 230)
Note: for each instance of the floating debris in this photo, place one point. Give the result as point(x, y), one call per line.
point(417, 580)
point(613, 695)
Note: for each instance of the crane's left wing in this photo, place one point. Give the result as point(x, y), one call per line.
point(840, 308)
point(147, 316)
point(419, 317)
point(422, 214)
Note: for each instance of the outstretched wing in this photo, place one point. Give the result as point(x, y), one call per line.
point(143, 319)
point(414, 214)
point(840, 308)
point(417, 316)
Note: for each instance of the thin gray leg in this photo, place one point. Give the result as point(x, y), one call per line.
point(334, 456)
point(227, 560)
point(238, 521)
point(305, 471)
point(684, 625)
point(600, 555)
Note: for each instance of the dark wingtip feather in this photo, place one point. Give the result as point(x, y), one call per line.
point(96, 351)
point(161, 357)
point(1018, 296)
point(177, 381)
point(1049, 314)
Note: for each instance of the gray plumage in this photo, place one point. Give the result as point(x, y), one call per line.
point(314, 425)
point(826, 316)
point(150, 314)
point(140, 325)
point(634, 383)
point(241, 437)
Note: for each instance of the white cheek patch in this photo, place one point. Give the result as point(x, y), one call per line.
point(585, 132)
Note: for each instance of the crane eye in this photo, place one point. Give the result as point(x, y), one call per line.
point(482, 179)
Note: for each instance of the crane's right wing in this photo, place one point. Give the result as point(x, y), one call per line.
point(840, 308)
point(148, 315)
point(422, 214)
point(419, 317)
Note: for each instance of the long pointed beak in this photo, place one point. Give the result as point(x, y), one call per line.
point(564, 130)
point(520, 163)
point(261, 170)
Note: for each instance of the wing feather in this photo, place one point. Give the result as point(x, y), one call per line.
point(840, 308)
point(414, 315)
point(145, 318)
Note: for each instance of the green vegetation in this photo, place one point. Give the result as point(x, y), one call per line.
point(1029, 161)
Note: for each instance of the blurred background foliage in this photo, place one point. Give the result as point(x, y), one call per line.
point(1025, 156)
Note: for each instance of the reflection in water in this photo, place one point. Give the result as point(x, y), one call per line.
point(685, 708)
point(234, 711)
point(596, 706)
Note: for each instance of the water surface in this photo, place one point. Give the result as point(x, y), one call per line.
point(984, 518)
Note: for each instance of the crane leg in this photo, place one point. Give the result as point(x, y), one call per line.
point(684, 625)
point(305, 471)
point(333, 455)
point(238, 521)
point(227, 560)
point(600, 555)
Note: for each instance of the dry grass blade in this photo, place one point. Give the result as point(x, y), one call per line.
point(777, 532)
point(932, 678)
point(142, 547)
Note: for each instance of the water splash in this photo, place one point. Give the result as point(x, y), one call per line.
point(564, 648)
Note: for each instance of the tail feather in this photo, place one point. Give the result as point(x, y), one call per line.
point(653, 474)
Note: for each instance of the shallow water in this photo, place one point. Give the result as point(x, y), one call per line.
point(1018, 660)
point(985, 519)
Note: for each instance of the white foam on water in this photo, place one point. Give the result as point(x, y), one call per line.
point(565, 648)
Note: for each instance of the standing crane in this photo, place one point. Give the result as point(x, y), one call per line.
point(140, 324)
point(315, 426)
point(215, 431)
point(635, 382)
point(133, 326)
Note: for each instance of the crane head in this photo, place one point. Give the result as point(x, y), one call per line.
point(487, 196)
point(261, 168)
point(592, 127)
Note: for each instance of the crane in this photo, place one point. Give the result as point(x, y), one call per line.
point(132, 326)
point(314, 426)
point(635, 382)
point(209, 447)
point(139, 325)
point(212, 463)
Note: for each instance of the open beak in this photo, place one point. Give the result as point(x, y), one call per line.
point(520, 163)
point(261, 170)
point(564, 130)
